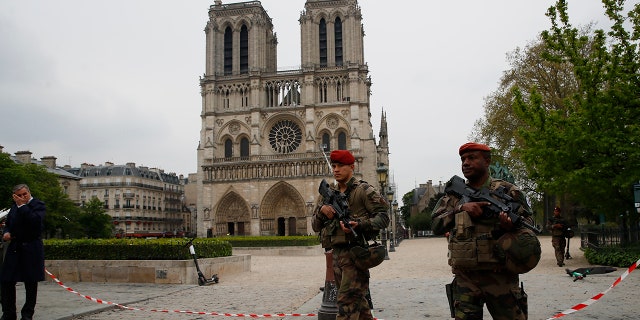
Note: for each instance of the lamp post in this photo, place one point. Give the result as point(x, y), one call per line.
point(382, 178)
point(395, 229)
point(392, 245)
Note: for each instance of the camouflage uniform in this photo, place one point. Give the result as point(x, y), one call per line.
point(557, 238)
point(370, 210)
point(484, 279)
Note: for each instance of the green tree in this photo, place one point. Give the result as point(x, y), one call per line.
point(555, 81)
point(405, 209)
point(45, 186)
point(420, 221)
point(97, 224)
point(589, 148)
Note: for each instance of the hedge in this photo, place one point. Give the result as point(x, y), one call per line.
point(163, 248)
point(134, 249)
point(613, 256)
point(271, 241)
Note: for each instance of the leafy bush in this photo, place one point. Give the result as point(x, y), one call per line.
point(133, 249)
point(613, 256)
point(271, 241)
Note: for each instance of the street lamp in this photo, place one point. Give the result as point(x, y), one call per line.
point(382, 178)
point(395, 229)
point(392, 245)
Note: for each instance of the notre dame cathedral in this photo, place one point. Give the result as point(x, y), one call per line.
point(265, 131)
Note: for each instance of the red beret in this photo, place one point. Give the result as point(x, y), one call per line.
point(472, 146)
point(342, 156)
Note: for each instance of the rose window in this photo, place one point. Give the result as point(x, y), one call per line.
point(285, 136)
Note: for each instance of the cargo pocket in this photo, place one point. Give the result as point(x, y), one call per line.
point(463, 253)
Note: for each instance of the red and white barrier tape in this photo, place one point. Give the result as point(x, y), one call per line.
point(597, 297)
point(222, 314)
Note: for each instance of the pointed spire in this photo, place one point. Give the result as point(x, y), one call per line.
point(383, 125)
point(384, 137)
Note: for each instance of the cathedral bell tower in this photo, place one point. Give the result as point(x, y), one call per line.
point(264, 130)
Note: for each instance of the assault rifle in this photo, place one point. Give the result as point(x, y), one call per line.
point(338, 201)
point(457, 187)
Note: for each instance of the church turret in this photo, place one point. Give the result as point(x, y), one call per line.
point(332, 33)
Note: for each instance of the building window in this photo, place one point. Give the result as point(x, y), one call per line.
point(228, 148)
point(228, 51)
point(226, 99)
point(244, 49)
point(326, 142)
point(342, 141)
point(323, 92)
point(285, 136)
point(245, 96)
point(338, 41)
point(244, 148)
point(323, 42)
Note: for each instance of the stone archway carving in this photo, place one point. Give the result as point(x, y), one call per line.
point(233, 215)
point(283, 202)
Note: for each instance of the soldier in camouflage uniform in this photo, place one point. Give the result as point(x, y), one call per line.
point(558, 225)
point(368, 214)
point(480, 275)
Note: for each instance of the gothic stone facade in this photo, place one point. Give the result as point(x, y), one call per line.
point(260, 157)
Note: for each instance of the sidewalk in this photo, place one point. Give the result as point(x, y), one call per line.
point(410, 285)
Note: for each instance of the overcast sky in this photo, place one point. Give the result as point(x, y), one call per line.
point(96, 81)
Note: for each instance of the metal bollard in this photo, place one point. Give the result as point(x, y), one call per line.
point(329, 307)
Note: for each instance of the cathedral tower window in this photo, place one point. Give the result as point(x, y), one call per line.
point(323, 92)
point(338, 41)
point(323, 42)
point(226, 99)
point(326, 142)
point(245, 96)
point(244, 148)
point(244, 50)
point(342, 141)
point(228, 51)
point(228, 148)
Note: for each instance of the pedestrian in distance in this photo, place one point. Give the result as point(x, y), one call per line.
point(367, 215)
point(558, 227)
point(487, 252)
point(24, 259)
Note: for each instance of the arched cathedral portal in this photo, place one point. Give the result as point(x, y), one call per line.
point(233, 216)
point(283, 211)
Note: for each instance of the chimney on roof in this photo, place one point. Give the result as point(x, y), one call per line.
point(24, 156)
point(49, 161)
point(108, 164)
point(131, 164)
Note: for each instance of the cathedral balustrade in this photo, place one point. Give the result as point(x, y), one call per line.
point(267, 167)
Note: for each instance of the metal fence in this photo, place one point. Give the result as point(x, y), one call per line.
point(606, 237)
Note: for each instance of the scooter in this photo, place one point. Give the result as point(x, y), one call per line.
point(202, 280)
point(581, 273)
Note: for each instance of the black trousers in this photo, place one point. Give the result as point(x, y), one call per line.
point(8, 292)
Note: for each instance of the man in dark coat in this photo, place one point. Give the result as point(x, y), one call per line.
point(24, 260)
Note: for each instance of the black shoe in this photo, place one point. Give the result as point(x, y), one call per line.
point(560, 264)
